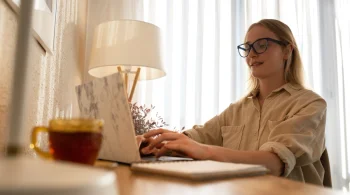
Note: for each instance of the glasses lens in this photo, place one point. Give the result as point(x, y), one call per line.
point(260, 46)
point(243, 50)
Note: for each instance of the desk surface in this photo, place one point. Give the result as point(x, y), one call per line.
point(129, 182)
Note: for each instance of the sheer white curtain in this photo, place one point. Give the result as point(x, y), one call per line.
point(205, 73)
point(342, 90)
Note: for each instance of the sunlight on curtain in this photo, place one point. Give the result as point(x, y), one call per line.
point(205, 73)
point(342, 22)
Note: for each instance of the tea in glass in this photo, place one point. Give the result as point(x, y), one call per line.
point(74, 140)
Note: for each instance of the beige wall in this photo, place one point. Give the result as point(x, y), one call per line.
point(51, 78)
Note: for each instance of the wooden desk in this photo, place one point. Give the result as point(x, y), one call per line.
point(129, 182)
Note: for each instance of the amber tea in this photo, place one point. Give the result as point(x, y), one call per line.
point(74, 140)
point(80, 147)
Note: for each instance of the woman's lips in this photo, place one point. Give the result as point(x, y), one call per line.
point(256, 64)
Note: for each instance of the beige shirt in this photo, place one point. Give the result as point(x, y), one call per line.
point(290, 123)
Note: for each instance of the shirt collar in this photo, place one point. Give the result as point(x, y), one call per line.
point(290, 88)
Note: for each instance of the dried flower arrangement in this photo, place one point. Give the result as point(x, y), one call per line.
point(142, 121)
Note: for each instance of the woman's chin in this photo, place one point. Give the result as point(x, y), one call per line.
point(257, 74)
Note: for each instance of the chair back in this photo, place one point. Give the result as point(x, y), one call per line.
point(327, 179)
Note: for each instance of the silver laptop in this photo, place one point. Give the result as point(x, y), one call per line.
point(105, 98)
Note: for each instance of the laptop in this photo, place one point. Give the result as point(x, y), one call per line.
point(105, 98)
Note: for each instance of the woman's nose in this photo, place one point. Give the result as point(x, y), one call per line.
point(252, 53)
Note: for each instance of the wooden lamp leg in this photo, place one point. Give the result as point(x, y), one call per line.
point(125, 79)
point(134, 83)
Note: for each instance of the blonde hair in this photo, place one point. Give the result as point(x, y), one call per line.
point(293, 71)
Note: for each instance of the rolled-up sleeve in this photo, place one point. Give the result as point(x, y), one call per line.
point(300, 139)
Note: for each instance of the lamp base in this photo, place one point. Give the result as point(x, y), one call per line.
point(23, 175)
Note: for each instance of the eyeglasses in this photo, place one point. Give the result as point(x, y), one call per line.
point(259, 46)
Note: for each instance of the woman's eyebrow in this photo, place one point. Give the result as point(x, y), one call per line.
point(255, 40)
point(252, 41)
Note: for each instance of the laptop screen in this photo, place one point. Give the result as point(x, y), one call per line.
point(105, 98)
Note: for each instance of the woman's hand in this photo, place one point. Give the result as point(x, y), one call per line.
point(160, 142)
point(139, 140)
point(165, 141)
point(142, 142)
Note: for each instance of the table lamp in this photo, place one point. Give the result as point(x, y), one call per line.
point(24, 175)
point(130, 47)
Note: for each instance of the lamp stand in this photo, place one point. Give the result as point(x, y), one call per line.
point(126, 78)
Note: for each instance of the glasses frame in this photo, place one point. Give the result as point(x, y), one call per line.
point(267, 45)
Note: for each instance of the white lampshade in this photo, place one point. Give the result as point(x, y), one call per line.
point(127, 43)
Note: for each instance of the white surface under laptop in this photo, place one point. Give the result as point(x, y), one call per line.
point(105, 98)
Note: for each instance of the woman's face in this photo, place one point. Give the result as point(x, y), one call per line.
point(269, 64)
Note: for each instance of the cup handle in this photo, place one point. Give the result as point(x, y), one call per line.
point(33, 144)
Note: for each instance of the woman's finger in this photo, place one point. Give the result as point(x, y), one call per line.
point(148, 152)
point(156, 132)
point(160, 145)
point(152, 133)
point(164, 137)
point(178, 154)
point(139, 139)
point(167, 152)
point(163, 152)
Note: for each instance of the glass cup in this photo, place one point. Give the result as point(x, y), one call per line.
point(74, 140)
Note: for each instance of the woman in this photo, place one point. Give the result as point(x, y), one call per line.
point(279, 124)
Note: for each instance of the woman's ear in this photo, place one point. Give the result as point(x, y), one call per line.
point(288, 51)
